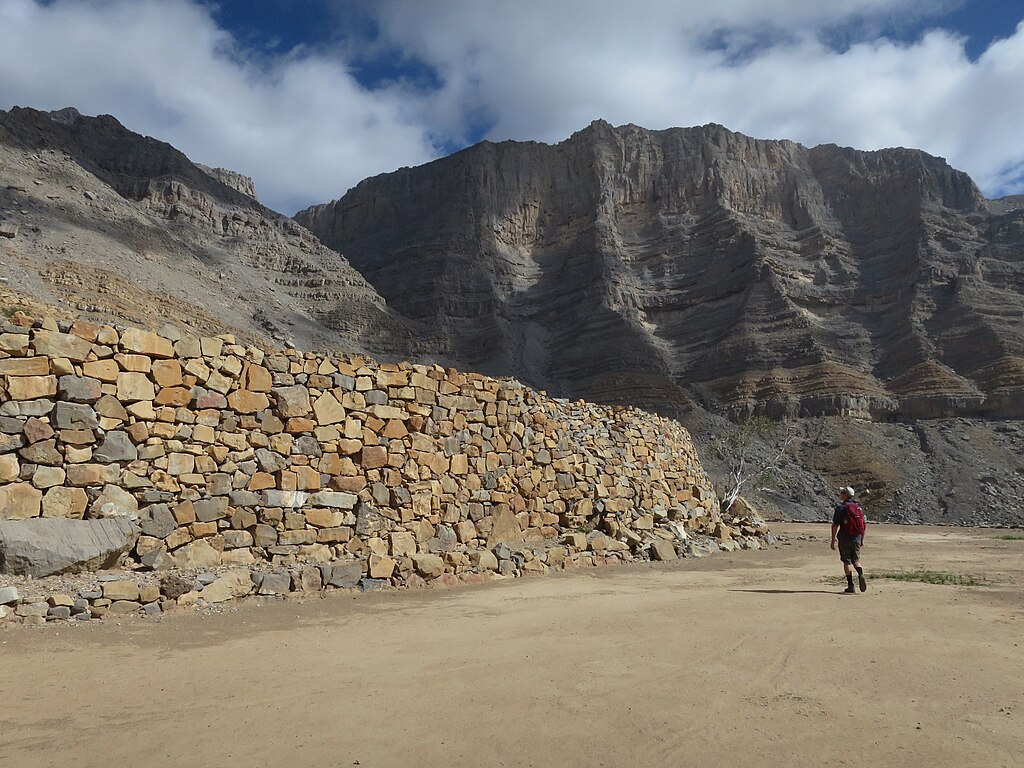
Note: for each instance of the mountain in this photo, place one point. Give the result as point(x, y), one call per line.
point(874, 296)
point(748, 274)
point(113, 225)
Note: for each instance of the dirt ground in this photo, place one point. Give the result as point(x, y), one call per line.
point(743, 659)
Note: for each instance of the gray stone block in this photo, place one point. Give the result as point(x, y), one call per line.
point(342, 575)
point(276, 583)
point(76, 416)
point(116, 447)
point(46, 546)
point(158, 521)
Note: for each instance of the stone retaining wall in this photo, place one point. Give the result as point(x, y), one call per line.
point(233, 456)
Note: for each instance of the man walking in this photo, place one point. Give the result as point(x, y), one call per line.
point(849, 526)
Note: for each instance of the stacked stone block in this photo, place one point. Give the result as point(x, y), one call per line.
point(237, 456)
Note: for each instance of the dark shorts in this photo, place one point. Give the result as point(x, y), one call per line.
point(849, 550)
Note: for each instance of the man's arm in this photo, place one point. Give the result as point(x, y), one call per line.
point(835, 530)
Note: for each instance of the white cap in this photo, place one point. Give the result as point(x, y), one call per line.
point(848, 491)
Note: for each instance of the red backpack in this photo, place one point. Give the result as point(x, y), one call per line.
point(854, 523)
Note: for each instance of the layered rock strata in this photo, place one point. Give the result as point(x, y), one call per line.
point(335, 468)
point(113, 226)
point(697, 264)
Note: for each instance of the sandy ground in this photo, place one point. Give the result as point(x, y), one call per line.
point(733, 660)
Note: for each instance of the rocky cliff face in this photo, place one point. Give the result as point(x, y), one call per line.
point(114, 225)
point(699, 264)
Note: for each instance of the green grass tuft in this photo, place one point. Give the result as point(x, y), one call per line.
point(11, 311)
point(932, 577)
point(1010, 537)
point(924, 577)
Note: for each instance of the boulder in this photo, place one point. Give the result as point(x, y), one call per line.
point(47, 546)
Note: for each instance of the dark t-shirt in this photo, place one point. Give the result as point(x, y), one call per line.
point(838, 517)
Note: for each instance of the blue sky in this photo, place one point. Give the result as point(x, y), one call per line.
point(311, 96)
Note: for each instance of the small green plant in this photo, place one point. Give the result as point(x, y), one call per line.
point(924, 577)
point(1010, 537)
point(14, 309)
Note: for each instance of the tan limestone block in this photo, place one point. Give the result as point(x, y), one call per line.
point(10, 469)
point(231, 366)
point(31, 387)
point(403, 543)
point(334, 535)
point(244, 401)
point(178, 537)
point(198, 368)
point(211, 346)
point(328, 410)
point(107, 336)
point(353, 429)
point(204, 434)
point(77, 454)
point(149, 593)
point(287, 480)
point(134, 387)
point(198, 554)
point(19, 501)
point(308, 479)
point(162, 430)
point(219, 453)
point(205, 465)
point(256, 378)
point(261, 481)
point(146, 343)
point(234, 440)
point(25, 366)
point(349, 447)
point(167, 373)
point(381, 567)
point(103, 370)
point(120, 590)
point(175, 396)
point(180, 464)
point(134, 363)
point(327, 435)
point(353, 401)
point(218, 382)
point(53, 344)
point(47, 477)
point(439, 463)
point(325, 518)
point(242, 556)
point(202, 530)
point(299, 425)
point(147, 544)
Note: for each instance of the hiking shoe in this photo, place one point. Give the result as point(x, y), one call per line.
point(849, 591)
point(862, 582)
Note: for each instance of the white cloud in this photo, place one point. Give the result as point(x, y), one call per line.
point(543, 70)
point(299, 124)
point(304, 128)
